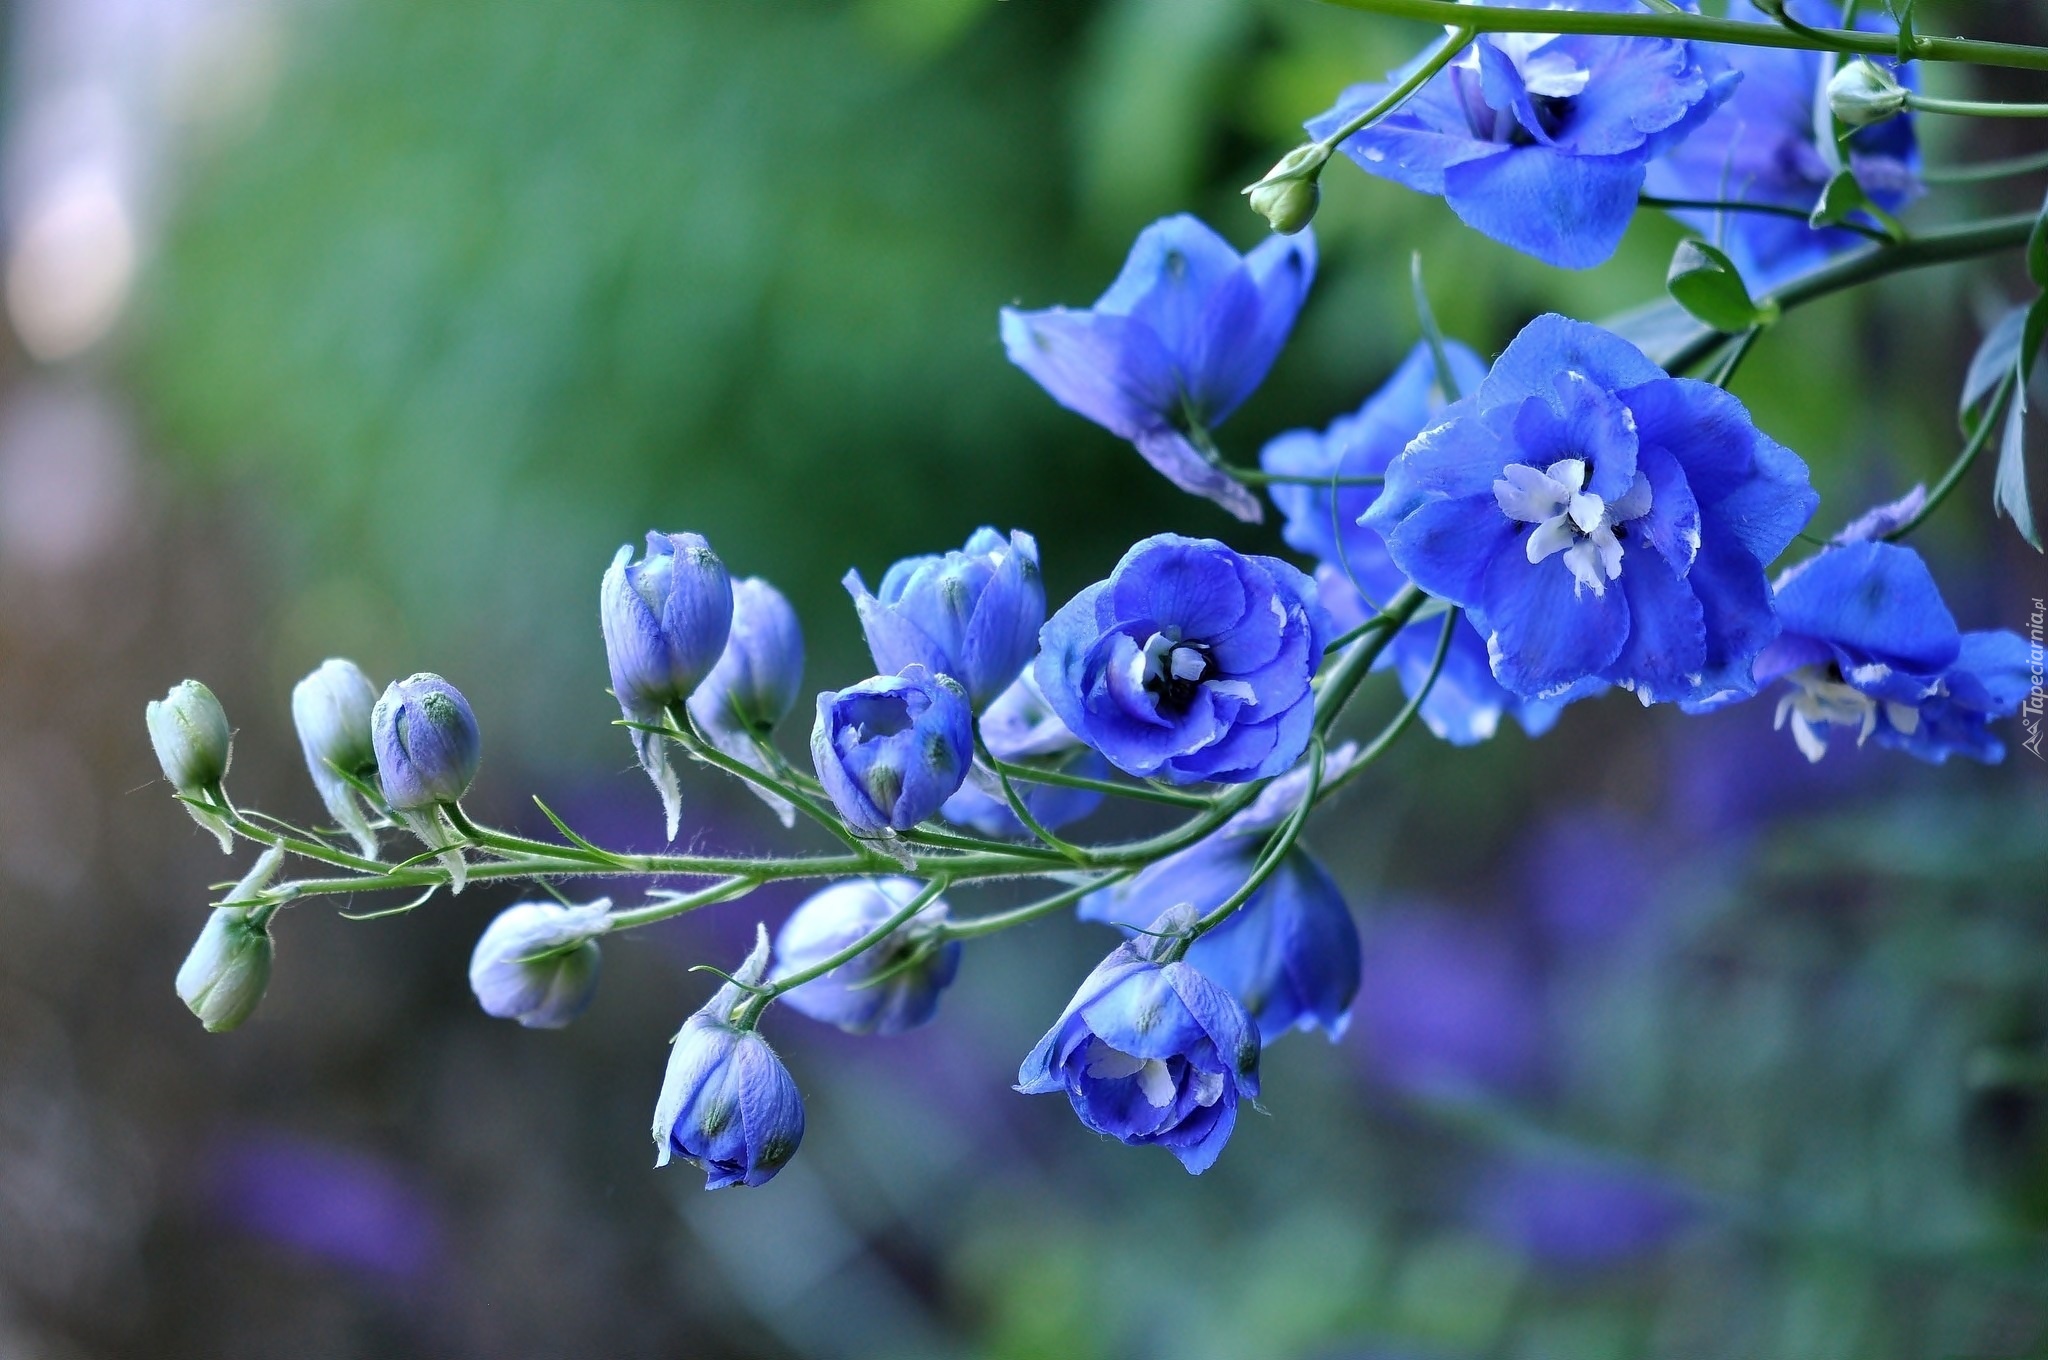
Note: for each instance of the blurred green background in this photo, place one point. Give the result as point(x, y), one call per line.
point(1670, 1045)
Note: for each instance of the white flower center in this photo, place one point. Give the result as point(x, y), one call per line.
point(1570, 519)
point(1820, 698)
point(1153, 1079)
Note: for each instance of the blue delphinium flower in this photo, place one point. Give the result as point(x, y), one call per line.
point(1190, 662)
point(1021, 727)
point(972, 614)
point(1185, 334)
point(666, 619)
point(1599, 519)
point(1290, 953)
point(1466, 703)
point(1761, 146)
point(918, 964)
point(728, 1106)
point(427, 743)
point(1540, 141)
point(331, 709)
point(1150, 1052)
point(1869, 645)
point(755, 683)
point(891, 750)
point(537, 963)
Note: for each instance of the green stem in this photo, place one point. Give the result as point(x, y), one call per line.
point(1460, 36)
point(1737, 205)
point(977, 926)
point(1944, 246)
point(725, 890)
point(1979, 438)
point(749, 1012)
point(1029, 820)
point(1724, 373)
point(1399, 723)
point(1700, 28)
point(1986, 170)
point(1144, 793)
point(1269, 859)
point(1350, 670)
point(1260, 477)
point(1974, 108)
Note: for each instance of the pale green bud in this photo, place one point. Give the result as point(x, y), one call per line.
point(1860, 94)
point(1288, 195)
point(223, 977)
point(189, 730)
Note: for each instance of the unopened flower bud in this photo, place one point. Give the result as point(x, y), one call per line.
point(189, 730)
point(890, 751)
point(426, 742)
point(666, 619)
point(331, 709)
point(1288, 195)
point(728, 1106)
point(756, 680)
point(537, 963)
point(893, 986)
point(1861, 94)
point(223, 977)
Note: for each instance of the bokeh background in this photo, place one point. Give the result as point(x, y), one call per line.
point(371, 328)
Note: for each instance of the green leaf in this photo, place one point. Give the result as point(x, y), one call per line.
point(1902, 14)
point(2009, 492)
point(1994, 358)
point(1446, 381)
point(1707, 284)
point(1842, 197)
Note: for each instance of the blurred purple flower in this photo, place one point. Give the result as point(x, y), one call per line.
point(1576, 909)
point(349, 1208)
point(1447, 1006)
point(1581, 1214)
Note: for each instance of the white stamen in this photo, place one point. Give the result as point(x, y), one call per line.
point(1818, 701)
point(1570, 519)
point(1113, 1063)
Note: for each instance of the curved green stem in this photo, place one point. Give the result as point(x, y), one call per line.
point(1459, 37)
point(725, 890)
point(1700, 28)
point(1144, 793)
point(976, 926)
point(1974, 445)
point(749, 1012)
point(1986, 170)
point(1767, 209)
point(1260, 477)
point(1944, 246)
point(1375, 748)
point(1269, 859)
point(1018, 809)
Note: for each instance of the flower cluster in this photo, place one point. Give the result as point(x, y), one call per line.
point(1506, 538)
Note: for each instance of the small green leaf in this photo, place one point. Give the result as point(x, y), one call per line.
point(1995, 357)
point(1706, 283)
point(2037, 250)
point(1842, 197)
point(2009, 491)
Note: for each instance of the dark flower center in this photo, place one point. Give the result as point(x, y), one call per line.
point(1174, 669)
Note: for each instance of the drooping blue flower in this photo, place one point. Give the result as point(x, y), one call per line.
point(1185, 334)
point(1540, 141)
point(972, 614)
point(331, 709)
point(1761, 146)
point(755, 683)
point(1020, 727)
point(666, 619)
point(1869, 645)
point(1466, 703)
point(1151, 1053)
point(427, 742)
point(1290, 953)
point(728, 1106)
point(918, 964)
point(1191, 662)
point(537, 963)
point(891, 750)
point(1598, 519)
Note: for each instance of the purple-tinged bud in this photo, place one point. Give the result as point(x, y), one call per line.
point(538, 962)
point(426, 741)
point(666, 619)
point(728, 1106)
point(890, 751)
